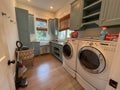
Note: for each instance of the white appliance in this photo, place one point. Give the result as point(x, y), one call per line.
point(70, 56)
point(115, 72)
point(93, 63)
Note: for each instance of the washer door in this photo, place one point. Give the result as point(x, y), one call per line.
point(92, 60)
point(67, 51)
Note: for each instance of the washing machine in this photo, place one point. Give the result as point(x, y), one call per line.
point(70, 56)
point(93, 63)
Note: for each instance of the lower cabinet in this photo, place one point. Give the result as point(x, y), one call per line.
point(36, 46)
point(44, 49)
point(56, 50)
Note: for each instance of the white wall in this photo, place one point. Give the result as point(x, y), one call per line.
point(35, 11)
point(64, 10)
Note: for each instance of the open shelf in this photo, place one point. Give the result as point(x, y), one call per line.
point(91, 15)
point(90, 19)
point(92, 22)
point(91, 12)
point(56, 50)
point(97, 3)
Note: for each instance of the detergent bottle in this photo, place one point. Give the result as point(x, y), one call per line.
point(103, 32)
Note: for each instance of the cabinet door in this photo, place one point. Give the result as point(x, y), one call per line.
point(76, 14)
point(110, 12)
point(31, 24)
point(22, 23)
point(36, 46)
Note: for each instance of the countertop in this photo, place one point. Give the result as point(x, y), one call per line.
point(58, 42)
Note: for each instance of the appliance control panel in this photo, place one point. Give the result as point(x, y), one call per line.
point(111, 47)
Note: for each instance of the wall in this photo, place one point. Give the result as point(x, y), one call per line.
point(64, 10)
point(95, 32)
point(35, 11)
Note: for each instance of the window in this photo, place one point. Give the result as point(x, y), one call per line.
point(62, 34)
point(68, 33)
point(41, 35)
point(41, 29)
point(64, 25)
point(64, 22)
point(65, 34)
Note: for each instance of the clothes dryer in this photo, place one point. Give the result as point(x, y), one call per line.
point(70, 56)
point(94, 62)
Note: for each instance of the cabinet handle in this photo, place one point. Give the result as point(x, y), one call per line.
point(3, 14)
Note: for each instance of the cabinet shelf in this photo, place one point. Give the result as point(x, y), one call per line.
point(56, 50)
point(90, 19)
point(92, 22)
point(92, 5)
point(94, 14)
point(91, 12)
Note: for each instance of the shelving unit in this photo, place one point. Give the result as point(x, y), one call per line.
point(91, 12)
point(56, 50)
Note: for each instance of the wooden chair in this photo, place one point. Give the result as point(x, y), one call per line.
point(26, 56)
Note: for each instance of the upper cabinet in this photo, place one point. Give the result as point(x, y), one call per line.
point(91, 12)
point(31, 24)
point(76, 14)
point(22, 24)
point(110, 13)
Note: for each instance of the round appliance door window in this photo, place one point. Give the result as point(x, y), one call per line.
point(67, 50)
point(92, 60)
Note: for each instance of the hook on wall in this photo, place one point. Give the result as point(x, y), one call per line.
point(3, 14)
point(11, 20)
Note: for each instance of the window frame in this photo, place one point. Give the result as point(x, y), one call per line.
point(41, 29)
point(64, 23)
point(66, 33)
point(41, 20)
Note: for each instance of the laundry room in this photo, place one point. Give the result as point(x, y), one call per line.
point(59, 45)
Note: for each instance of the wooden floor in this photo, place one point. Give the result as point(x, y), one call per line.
point(48, 74)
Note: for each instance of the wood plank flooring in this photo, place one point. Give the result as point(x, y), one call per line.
point(48, 74)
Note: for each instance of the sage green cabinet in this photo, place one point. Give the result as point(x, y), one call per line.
point(23, 28)
point(76, 14)
point(36, 46)
point(31, 24)
point(110, 13)
point(91, 13)
point(56, 50)
point(25, 23)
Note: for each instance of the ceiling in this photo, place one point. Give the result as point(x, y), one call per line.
point(45, 4)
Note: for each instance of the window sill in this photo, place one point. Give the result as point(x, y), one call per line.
point(44, 42)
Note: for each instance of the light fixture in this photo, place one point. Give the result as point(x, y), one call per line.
point(51, 7)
